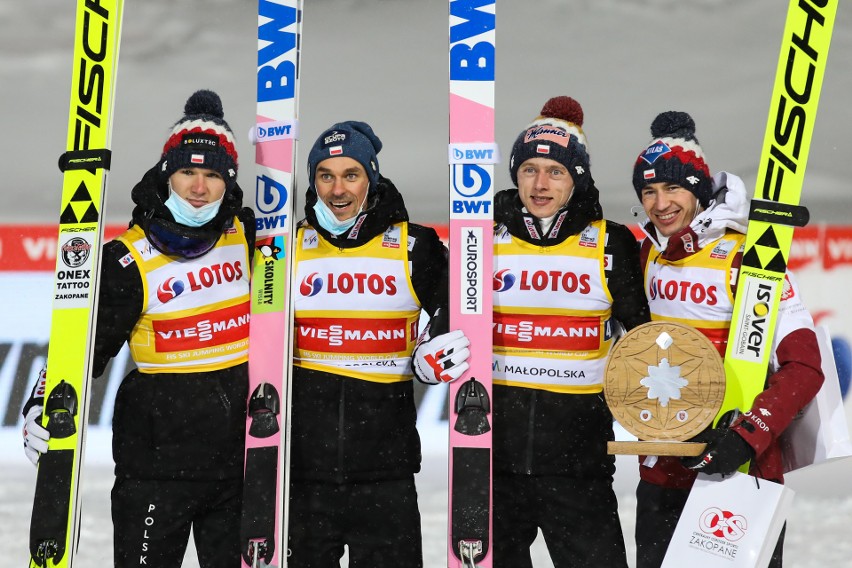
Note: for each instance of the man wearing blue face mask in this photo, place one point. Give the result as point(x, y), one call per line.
point(175, 286)
point(363, 275)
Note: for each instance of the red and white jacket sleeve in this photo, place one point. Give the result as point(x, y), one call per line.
point(795, 373)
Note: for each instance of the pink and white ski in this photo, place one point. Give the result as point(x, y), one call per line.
point(472, 155)
point(263, 530)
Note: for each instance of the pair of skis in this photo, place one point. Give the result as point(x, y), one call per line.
point(54, 527)
point(775, 209)
point(55, 523)
point(263, 531)
point(472, 155)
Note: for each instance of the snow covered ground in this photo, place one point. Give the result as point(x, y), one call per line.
point(817, 532)
point(624, 60)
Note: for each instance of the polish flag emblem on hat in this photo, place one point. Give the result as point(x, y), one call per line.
point(649, 174)
point(197, 159)
point(335, 151)
point(542, 149)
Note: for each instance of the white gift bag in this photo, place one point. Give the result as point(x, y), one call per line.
point(731, 522)
point(820, 432)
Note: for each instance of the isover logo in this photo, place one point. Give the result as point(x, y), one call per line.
point(751, 334)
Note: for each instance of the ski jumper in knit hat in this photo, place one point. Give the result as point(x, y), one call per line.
point(556, 134)
point(674, 156)
point(351, 139)
point(201, 139)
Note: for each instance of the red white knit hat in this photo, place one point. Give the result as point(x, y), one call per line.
point(674, 156)
point(201, 139)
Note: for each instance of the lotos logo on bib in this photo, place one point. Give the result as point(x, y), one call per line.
point(170, 288)
point(310, 285)
point(503, 280)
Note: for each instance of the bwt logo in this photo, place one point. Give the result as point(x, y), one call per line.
point(503, 280)
point(311, 285)
point(274, 131)
point(723, 524)
point(270, 195)
point(474, 155)
point(473, 181)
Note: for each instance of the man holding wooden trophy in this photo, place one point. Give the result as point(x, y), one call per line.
point(665, 380)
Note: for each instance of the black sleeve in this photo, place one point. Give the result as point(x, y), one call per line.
point(119, 304)
point(429, 274)
point(624, 277)
point(246, 216)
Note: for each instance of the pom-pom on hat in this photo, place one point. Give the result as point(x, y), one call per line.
point(201, 139)
point(352, 139)
point(556, 134)
point(674, 156)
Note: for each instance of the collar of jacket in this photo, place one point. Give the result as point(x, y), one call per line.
point(150, 195)
point(385, 207)
point(583, 208)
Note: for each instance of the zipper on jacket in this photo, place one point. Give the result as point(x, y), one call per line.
point(340, 431)
point(531, 430)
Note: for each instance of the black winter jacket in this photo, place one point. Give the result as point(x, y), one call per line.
point(538, 432)
point(169, 425)
point(346, 429)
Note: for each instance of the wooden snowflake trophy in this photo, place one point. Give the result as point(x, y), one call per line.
point(664, 383)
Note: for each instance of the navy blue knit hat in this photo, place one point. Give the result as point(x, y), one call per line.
point(557, 134)
point(201, 139)
point(674, 156)
point(352, 139)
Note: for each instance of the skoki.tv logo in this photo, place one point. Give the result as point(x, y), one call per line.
point(75, 252)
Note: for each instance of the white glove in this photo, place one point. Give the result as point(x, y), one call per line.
point(35, 436)
point(442, 359)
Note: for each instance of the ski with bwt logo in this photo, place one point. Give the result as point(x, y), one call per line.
point(472, 155)
point(263, 530)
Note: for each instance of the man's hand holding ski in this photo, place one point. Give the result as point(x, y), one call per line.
point(35, 435)
point(442, 359)
point(725, 452)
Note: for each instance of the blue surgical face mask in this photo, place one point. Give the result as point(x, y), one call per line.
point(329, 222)
point(184, 212)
